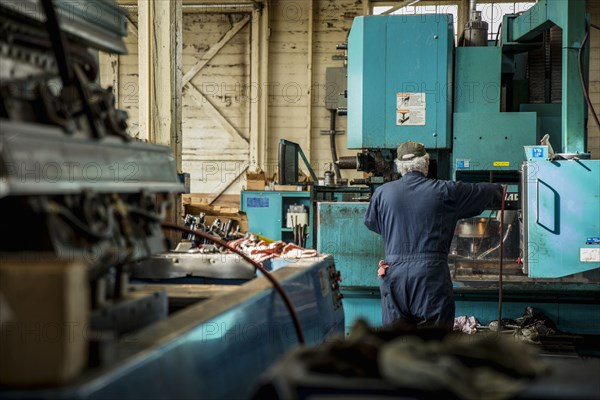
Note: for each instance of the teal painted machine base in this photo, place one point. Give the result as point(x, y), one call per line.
point(573, 303)
point(571, 314)
point(577, 313)
point(361, 304)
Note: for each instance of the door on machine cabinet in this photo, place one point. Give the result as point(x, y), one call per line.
point(414, 86)
point(561, 217)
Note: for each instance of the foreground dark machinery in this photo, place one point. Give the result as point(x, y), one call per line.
point(76, 182)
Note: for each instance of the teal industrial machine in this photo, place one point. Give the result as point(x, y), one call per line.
point(482, 109)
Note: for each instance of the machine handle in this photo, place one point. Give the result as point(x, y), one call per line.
point(537, 201)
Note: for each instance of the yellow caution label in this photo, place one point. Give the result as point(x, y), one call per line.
point(501, 164)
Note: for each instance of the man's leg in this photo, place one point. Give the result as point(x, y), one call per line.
point(389, 312)
point(394, 299)
point(432, 297)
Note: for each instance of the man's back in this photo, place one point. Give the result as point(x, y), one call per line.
point(417, 215)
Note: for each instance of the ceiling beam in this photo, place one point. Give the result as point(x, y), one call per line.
point(399, 6)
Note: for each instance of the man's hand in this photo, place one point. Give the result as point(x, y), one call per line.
point(382, 268)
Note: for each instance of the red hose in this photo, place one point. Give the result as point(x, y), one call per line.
point(501, 258)
point(262, 269)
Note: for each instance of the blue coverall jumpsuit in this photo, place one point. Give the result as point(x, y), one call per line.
point(416, 218)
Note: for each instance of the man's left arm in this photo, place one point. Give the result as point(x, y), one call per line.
point(372, 216)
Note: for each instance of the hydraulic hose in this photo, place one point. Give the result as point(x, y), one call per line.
point(500, 275)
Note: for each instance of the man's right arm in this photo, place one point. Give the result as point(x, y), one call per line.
point(471, 199)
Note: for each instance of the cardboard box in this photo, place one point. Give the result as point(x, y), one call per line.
point(224, 200)
point(255, 180)
point(44, 314)
point(289, 188)
point(255, 185)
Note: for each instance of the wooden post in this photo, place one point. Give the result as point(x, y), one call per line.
point(160, 61)
point(309, 77)
point(265, 35)
point(258, 93)
point(145, 30)
point(160, 48)
point(462, 17)
point(110, 76)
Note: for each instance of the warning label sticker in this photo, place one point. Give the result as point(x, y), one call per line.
point(410, 109)
point(587, 254)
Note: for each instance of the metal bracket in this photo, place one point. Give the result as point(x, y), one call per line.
point(327, 132)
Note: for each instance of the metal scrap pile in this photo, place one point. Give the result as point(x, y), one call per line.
point(530, 326)
point(527, 328)
point(260, 251)
point(225, 230)
point(251, 244)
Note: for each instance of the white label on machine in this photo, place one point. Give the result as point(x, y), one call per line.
point(294, 219)
point(410, 109)
point(587, 254)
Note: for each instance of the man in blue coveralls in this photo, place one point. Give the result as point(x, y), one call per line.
point(416, 216)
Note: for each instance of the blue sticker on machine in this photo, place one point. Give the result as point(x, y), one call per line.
point(257, 202)
point(538, 152)
point(462, 163)
point(593, 240)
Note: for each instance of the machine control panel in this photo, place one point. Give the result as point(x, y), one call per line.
point(334, 277)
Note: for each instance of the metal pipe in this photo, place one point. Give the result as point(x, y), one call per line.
point(221, 6)
point(334, 157)
point(348, 162)
point(216, 6)
point(405, 3)
point(485, 253)
point(472, 7)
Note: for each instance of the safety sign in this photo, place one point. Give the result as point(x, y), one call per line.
point(410, 109)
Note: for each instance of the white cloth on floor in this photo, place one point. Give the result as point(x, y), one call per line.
point(466, 324)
